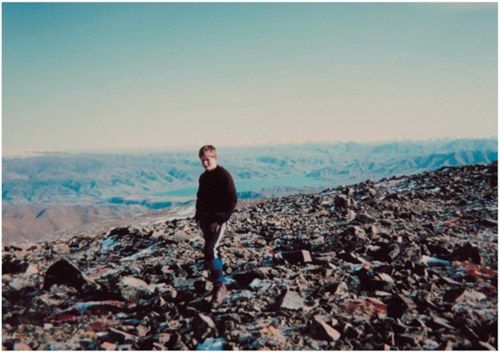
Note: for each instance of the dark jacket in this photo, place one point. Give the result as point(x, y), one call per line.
point(216, 197)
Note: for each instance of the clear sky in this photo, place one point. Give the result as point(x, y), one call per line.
point(98, 76)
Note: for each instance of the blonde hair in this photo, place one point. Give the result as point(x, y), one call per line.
point(208, 150)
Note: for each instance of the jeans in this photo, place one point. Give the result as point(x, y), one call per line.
point(212, 260)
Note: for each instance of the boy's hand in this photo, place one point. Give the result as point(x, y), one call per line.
point(214, 227)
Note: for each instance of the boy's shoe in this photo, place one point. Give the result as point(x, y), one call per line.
point(220, 293)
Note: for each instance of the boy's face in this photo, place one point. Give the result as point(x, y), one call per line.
point(209, 163)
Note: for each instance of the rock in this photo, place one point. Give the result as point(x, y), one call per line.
point(467, 252)
point(62, 346)
point(24, 285)
point(241, 296)
point(365, 218)
point(355, 231)
point(212, 344)
point(118, 231)
point(245, 278)
point(167, 292)
point(32, 270)
point(201, 286)
point(393, 251)
point(429, 344)
point(441, 322)
point(122, 336)
point(292, 301)
point(372, 230)
point(434, 261)
point(204, 326)
point(300, 256)
point(384, 277)
point(486, 346)
point(462, 294)
point(375, 281)
point(260, 285)
point(108, 346)
point(13, 265)
point(488, 222)
point(350, 216)
point(163, 338)
point(369, 306)
point(341, 201)
point(342, 290)
point(352, 258)
point(322, 330)
point(20, 346)
point(82, 308)
point(398, 304)
point(65, 273)
point(132, 288)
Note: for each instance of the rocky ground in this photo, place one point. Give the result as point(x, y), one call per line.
point(406, 263)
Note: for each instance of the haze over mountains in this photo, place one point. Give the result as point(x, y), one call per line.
point(138, 182)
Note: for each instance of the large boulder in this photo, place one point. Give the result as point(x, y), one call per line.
point(63, 272)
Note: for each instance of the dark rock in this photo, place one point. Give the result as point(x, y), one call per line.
point(246, 277)
point(398, 304)
point(352, 257)
point(372, 230)
point(120, 336)
point(467, 252)
point(365, 218)
point(201, 286)
point(120, 231)
point(299, 256)
point(65, 273)
point(204, 326)
point(13, 265)
point(488, 222)
point(322, 330)
point(341, 201)
point(393, 251)
point(374, 282)
point(461, 294)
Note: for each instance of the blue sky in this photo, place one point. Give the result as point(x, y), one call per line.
point(99, 76)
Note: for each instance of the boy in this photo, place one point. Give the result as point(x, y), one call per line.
point(215, 202)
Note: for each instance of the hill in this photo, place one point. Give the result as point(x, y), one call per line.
point(408, 262)
point(110, 185)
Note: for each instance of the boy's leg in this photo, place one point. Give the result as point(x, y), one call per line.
point(212, 259)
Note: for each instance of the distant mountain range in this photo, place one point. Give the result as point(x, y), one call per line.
point(397, 166)
point(139, 182)
point(153, 179)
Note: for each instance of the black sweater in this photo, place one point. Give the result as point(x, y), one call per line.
point(216, 197)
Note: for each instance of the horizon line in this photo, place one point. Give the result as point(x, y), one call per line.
point(191, 146)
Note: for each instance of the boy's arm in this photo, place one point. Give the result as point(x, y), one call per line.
point(196, 215)
point(233, 197)
point(230, 198)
